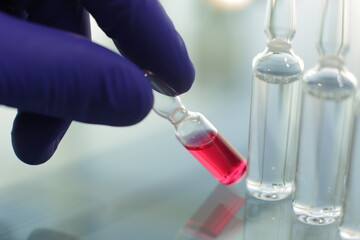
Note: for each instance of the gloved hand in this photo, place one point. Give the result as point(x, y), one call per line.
point(53, 76)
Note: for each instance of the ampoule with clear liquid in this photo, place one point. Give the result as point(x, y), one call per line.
point(196, 133)
point(326, 123)
point(350, 224)
point(274, 107)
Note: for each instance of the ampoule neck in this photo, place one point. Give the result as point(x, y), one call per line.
point(334, 33)
point(331, 62)
point(178, 115)
point(280, 23)
point(169, 107)
point(279, 44)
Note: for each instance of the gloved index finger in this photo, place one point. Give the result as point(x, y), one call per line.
point(143, 33)
point(60, 75)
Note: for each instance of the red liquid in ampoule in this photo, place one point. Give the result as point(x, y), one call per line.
point(221, 159)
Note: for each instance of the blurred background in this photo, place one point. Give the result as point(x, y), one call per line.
point(98, 163)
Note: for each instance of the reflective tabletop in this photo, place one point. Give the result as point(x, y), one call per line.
point(139, 182)
point(75, 204)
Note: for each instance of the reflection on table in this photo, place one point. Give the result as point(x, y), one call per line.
point(215, 219)
point(231, 214)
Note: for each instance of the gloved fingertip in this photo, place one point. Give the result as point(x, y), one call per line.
point(33, 156)
point(142, 100)
point(35, 138)
point(185, 78)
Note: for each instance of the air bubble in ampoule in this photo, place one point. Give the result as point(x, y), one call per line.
point(202, 139)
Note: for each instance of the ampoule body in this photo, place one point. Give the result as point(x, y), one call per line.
point(326, 123)
point(274, 107)
point(350, 224)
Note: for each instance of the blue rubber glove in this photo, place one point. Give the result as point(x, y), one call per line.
point(53, 76)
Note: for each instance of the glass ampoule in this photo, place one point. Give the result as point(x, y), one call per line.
point(326, 123)
point(201, 139)
point(350, 225)
point(274, 107)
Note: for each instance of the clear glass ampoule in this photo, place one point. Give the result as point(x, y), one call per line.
point(350, 225)
point(201, 138)
point(274, 107)
point(326, 123)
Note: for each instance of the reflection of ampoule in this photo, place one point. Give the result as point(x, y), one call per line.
point(201, 139)
point(267, 220)
point(301, 231)
point(326, 123)
point(274, 107)
point(350, 226)
point(215, 219)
